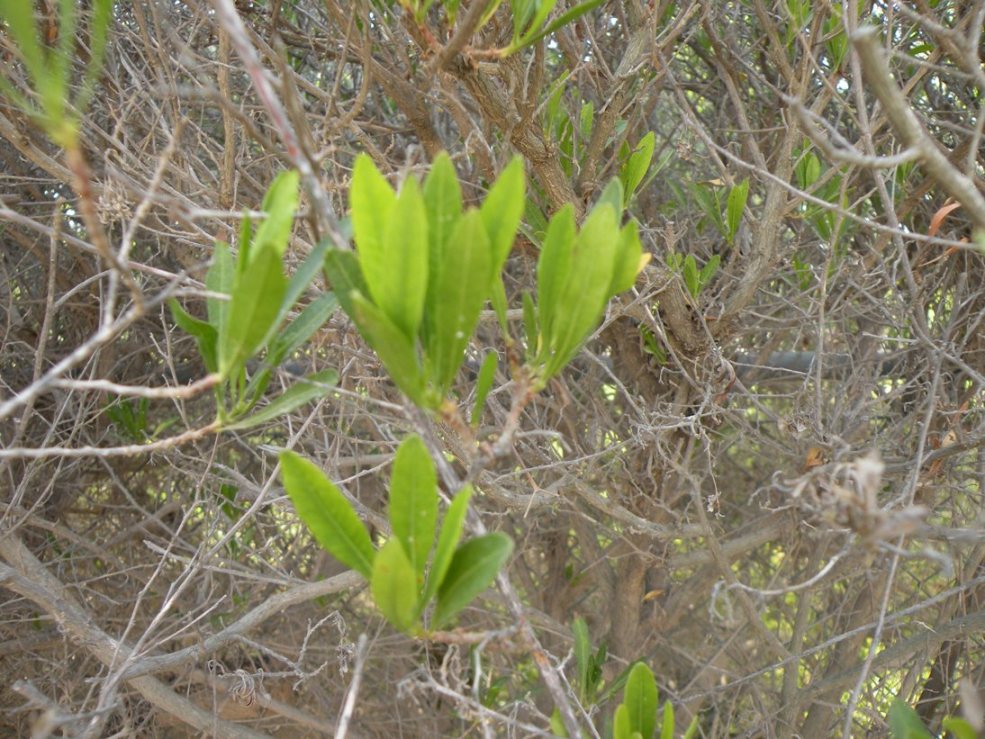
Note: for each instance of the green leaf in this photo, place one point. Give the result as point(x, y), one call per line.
point(500, 306)
point(301, 329)
point(325, 510)
point(561, 21)
point(473, 567)
point(530, 328)
point(443, 204)
point(396, 351)
point(706, 273)
point(640, 699)
point(303, 391)
point(554, 267)
point(414, 503)
point(629, 259)
point(667, 727)
point(960, 728)
point(905, 723)
point(397, 275)
point(621, 727)
point(691, 276)
point(637, 164)
point(219, 279)
point(280, 204)
point(309, 269)
point(583, 297)
point(583, 659)
point(394, 586)
point(692, 728)
point(451, 532)
point(245, 242)
point(502, 210)
point(205, 335)
point(613, 195)
point(735, 207)
point(807, 169)
point(345, 274)
point(371, 200)
point(462, 282)
point(253, 309)
point(557, 724)
point(483, 384)
point(710, 204)
point(586, 119)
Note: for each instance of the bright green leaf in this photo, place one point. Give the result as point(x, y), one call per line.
point(621, 727)
point(561, 21)
point(394, 586)
point(462, 282)
point(735, 207)
point(502, 210)
point(667, 725)
point(303, 391)
point(280, 204)
point(219, 280)
point(253, 309)
point(629, 259)
point(614, 195)
point(443, 204)
point(583, 659)
point(473, 567)
point(640, 699)
point(414, 502)
point(451, 532)
point(691, 276)
point(905, 723)
point(327, 513)
point(637, 164)
point(960, 728)
point(554, 267)
point(345, 274)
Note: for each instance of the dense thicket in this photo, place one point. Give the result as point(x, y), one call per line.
point(766, 484)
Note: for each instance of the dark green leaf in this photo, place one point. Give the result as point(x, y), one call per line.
point(414, 503)
point(451, 532)
point(205, 335)
point(253, 309)
point(394, 586)
point(303, 391)
point(640, 699)
point(309, 269)
point(474, 566)
point(691, 276)
point(561, 21)
point(484, 383)
point(328, 514)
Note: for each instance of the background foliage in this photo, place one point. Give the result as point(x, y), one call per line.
point(762, 477)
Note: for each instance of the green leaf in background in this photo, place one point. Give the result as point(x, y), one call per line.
point(905, 723)
point(533, 36)
point(245, 242)
point(280, 204)
point(462, 282)
point(960, 728)
point(710, 203)
point(735, 207)
point(483, 384)
point(706, 273)
point(205, 335)
point(640, 699)
point(253, 309)
point(554, 266)
point(586, 118)
point(502, 210)
point(807, 170)
point(303, 391)
point(394, 586)
point(327, 513)
point(397, 352)
point(451, 532)
point(219, 280)
point(637, 163)
point(691, 276)
point(473, 567)
point(583, 659)
point(414, 503)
